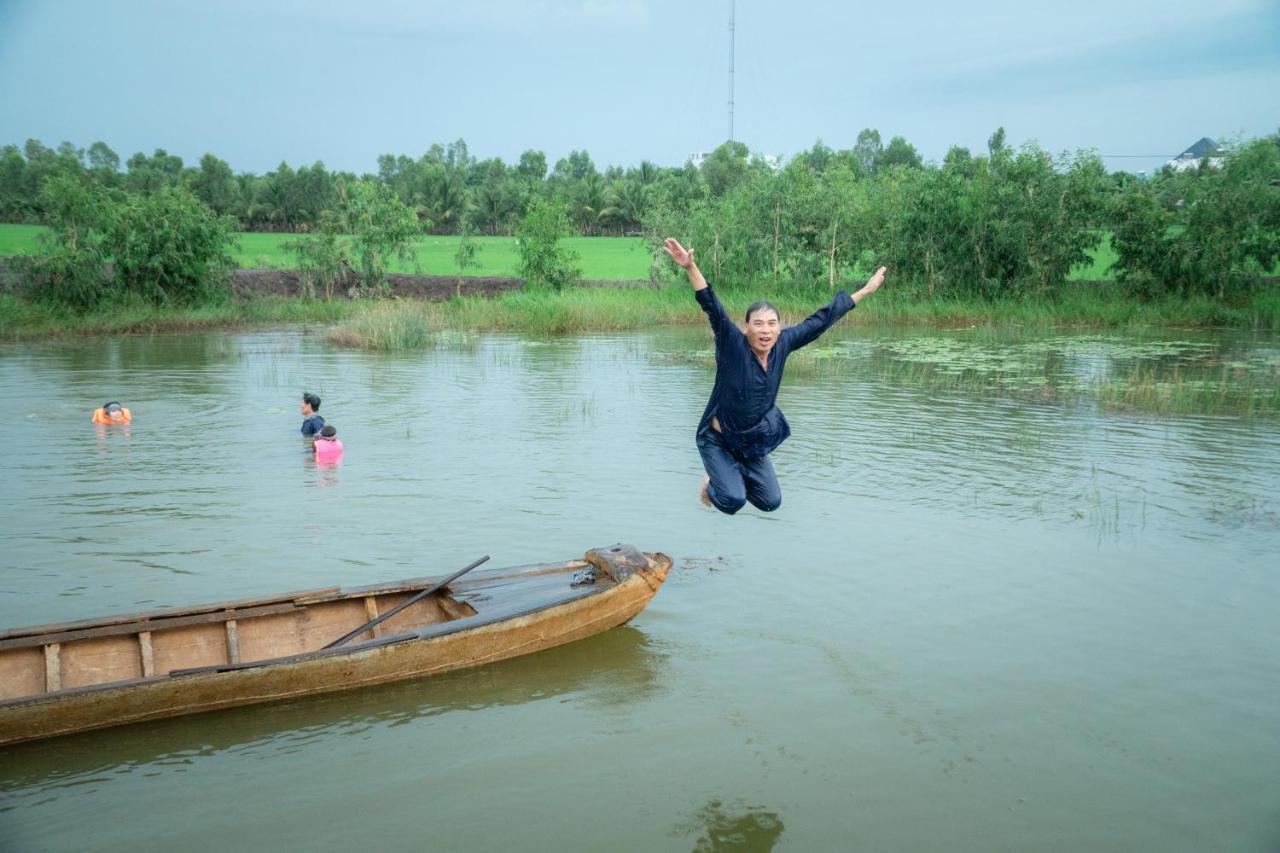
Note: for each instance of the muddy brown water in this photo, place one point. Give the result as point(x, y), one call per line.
point(976, 623)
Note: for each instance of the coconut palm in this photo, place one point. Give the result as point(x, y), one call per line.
point(589, 203)
point(628, 201)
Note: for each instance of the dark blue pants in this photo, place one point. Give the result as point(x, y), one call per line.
point(736, 481)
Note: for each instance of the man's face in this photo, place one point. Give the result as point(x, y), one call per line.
point(762, 330)
point(116, 415)
point(307, 411)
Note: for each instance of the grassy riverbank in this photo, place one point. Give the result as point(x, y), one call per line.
point(614, 309)
point(23, 320)
point(401, 324)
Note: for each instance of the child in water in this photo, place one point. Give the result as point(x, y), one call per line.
point(112, 413)
point(328, 447)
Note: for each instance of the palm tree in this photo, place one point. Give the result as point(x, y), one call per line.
point(445, 201)
point(628, 201)
point(647, 173)
point(269, 204)
point(589, 203)
point(491, 207)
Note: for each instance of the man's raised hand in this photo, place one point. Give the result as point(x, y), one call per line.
point(682, 256)
point(873, 283)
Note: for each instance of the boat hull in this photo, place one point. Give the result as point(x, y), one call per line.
point(389, 659)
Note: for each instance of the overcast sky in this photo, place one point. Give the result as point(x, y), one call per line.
point(260, 81)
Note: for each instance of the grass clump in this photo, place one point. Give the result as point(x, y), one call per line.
point(388, 327)
point(23, 319)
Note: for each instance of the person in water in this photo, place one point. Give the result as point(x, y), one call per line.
point(112, 413)
point(312, 423)
point(328, 448)
point(741, 424)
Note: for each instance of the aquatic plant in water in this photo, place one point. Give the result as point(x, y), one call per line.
point(1159, 376)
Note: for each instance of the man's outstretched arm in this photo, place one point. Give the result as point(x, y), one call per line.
point(721, 324)
point(824, 318)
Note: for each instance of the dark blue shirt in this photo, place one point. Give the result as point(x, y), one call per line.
point(312, 425)
point(744, 396)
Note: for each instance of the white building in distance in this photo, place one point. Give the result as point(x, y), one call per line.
point(1206, 148)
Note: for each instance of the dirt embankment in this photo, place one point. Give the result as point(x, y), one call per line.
point(436, 288)
point(286, 283)
point(433, 287)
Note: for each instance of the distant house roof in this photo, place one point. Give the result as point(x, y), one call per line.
point(1201, 148)
point(1192, 157)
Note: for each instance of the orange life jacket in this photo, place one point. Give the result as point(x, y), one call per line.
point(101, 417)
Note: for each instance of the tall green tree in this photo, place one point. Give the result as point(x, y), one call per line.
point(726, 167)
point(868, 149)
point(171, 249)
point(544, 260)
point(17, 204)
point(1219, 238)
point(533, 166)
point(71, 269)
point(215, 185)
point(898, 152)
point(384, 228)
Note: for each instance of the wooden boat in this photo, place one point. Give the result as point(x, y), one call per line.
point(77, 676)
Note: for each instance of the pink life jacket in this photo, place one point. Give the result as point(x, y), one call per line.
point(328, 450)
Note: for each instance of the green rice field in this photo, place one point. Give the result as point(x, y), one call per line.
point(602, 258)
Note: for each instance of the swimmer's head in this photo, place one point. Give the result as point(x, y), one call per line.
point(328, 432)
point(310, 404)
point(114, 411)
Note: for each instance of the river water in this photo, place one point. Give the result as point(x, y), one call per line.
point(978, 622)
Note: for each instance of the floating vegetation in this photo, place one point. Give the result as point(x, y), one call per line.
point(1157, 376)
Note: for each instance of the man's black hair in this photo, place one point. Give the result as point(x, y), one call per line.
point(762, 305)
point(311, 400)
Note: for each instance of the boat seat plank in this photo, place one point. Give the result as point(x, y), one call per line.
point(371, 613)
point(233, 642)
point(146, 654)
point(52, 667)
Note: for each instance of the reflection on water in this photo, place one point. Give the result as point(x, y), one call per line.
point(750, 829)
point(722, 826)
point(620, 666)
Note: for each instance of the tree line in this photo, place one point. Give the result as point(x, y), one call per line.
point(1002, 221)
point(449, 190)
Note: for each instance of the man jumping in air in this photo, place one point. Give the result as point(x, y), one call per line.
point(741, 425)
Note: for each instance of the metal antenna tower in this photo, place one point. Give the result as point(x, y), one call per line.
point(733, 10)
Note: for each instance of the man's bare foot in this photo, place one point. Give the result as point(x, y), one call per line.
point(703, 496)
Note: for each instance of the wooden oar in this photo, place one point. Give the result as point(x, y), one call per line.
point(393, 611)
